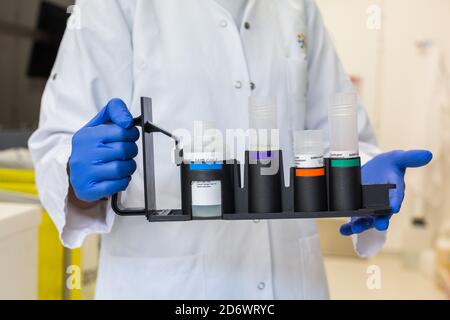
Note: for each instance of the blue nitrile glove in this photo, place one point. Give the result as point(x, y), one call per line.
point(101, 162)
point(387, 168)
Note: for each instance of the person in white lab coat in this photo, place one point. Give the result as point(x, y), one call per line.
point(198, 60)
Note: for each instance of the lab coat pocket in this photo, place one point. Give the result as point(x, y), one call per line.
point(314, 284)
point(296, 86)
point(153, 278)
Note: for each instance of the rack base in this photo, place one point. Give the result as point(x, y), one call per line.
point(177, 215)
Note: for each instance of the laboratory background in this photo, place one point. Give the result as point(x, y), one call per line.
point(397, 53)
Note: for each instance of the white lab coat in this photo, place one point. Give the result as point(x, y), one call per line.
point(196, 64)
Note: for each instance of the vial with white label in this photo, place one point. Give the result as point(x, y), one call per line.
point(264, 157)
point(344, 178)
point(310, 190)
point(204, 156)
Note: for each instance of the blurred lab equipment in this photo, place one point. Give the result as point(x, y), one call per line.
point(430, 85)
point(417, 239)
point(443, 257)
point(19, 250)
point(18, 158)
point(46, 37)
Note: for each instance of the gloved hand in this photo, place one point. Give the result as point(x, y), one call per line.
point(387, 168)
point(101, 161)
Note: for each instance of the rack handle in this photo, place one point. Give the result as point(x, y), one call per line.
point(148, 128)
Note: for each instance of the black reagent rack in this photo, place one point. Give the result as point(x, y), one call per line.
point(373, 199)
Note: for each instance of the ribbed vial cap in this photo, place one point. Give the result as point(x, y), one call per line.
point(343, 122)
point(263, 118)
point(308, 142)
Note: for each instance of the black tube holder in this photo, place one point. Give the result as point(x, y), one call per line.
point(235, 198)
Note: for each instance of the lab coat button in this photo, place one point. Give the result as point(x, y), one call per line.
point(247, 25)
point(223, 23)
point(143, 65)
point(261, 286)
point(238, 85)
point(252, 86)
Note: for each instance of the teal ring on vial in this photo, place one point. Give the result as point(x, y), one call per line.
point(345, 163)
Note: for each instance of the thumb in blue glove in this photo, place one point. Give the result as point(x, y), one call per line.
point(387, 168)
point(101, 162)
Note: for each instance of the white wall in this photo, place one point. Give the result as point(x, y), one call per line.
point(404, 84)
point(393, 67)
point(356, 44)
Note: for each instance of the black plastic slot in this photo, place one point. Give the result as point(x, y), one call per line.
point(310, 193)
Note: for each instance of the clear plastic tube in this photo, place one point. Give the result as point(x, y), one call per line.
point(343, 121)
point(263, 112)
point(309, 149)
point(204, 144)
point(263, 121)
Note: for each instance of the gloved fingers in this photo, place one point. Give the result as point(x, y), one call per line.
point(109, 187)
point(114, 170)
point(117, 151)
point(107, 133)
point(346, 229)
point(356, 226)
point(362, 224)
point(116, 112)
point(412, 158)
point(381, 223)
point(396, 195)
